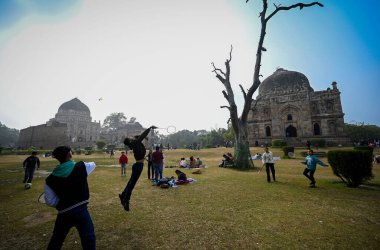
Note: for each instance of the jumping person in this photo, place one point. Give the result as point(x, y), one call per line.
point(30, 164)
point(123, 161)
point(267, 159)
point(139, 152)
point(66, 189)
point(311, 162)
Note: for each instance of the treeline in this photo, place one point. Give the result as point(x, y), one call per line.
point(8, 136)
point(362, 133)
point(198, 138)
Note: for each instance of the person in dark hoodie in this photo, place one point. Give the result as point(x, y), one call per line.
point(30, 165)
point(66, 189)
point(139, 152)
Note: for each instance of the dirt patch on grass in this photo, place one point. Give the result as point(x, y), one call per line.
point(38, 218)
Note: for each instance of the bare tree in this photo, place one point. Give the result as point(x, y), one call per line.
point(239, 124)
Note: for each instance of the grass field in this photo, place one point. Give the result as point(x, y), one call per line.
point(224, 209)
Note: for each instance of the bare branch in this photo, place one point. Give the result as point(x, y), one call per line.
point(225, 95)
point(230, 54)
point(229, 119)
point(300, 5)
point(227, 107)
point(217, 69)
point(244, 93)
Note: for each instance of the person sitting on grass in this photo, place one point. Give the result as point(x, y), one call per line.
point(228, 159)
point(311, 162)
point(181, 175)
point(67, 190)
point(183, 163)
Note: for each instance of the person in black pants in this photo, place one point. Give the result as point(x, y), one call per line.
point(150, 164)
point(267, 159)
point(30, 164)
point(139, 152)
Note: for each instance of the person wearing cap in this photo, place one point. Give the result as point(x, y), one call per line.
point(66, 189)
point(139, 152)
point(30, 164)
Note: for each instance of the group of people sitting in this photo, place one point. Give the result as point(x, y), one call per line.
point(228, 159)
point(192, 163)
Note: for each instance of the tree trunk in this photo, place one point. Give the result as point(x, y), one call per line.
point(242, 152)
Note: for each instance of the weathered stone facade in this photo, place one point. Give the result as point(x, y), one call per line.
point(71, 126)
point(116, 137)
point(288, 108)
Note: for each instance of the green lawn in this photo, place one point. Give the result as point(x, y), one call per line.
point(224, 209)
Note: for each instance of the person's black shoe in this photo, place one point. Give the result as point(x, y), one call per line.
point(124, 203)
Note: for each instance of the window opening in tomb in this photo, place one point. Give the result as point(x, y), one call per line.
point(268, 131)
point(317, 129)
point(291, 131)
point(290, 117)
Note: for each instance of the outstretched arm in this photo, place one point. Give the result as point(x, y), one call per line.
point(145, 133)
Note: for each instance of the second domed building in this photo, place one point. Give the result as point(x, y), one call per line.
point(288, 108)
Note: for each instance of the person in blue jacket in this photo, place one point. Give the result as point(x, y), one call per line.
point(311, 162)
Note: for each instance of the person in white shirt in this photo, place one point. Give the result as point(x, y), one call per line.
point(267, 159)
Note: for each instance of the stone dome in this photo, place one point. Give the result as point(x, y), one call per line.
point(284, 81)
point(74, 104)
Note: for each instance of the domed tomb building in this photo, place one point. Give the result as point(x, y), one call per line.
point(71, 126)
point(288, 108)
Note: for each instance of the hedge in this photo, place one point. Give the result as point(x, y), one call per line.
point(278, 143)
point(370, 149)
point(320, 142)
point(353, 167)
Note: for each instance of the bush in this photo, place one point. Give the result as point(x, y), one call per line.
point(287, 150)
point(78, 151)
point(320, 142)
point(353, 167)
point(278, 143)
point(370, 149)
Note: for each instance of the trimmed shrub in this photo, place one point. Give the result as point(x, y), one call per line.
point(353, 167)
point(320, 142)
point(278, 143)
point(286, 150)
point(370, 149)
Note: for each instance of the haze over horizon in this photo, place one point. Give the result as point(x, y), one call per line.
point(152, 60)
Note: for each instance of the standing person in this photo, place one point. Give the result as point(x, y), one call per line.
point(123, 161)
point(311, 162)
point(66, 189)
point(267, 159)
point(158, 161)
point(139, 152)
point(150, 164)
point(308, 144)
point(112, 153)
point(30, 164)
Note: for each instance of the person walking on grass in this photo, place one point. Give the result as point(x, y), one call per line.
point(139, 152)
point(30, 164)
point(123, 161)
point(311, 162)
point(66, 189)
point(267, 159)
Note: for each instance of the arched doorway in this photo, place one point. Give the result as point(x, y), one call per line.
point(291, 131)
point(268, 131)
point(317, 129)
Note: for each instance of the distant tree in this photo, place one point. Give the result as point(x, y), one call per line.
point(115, 121)
point(132, 120)
point(8, 136)
point(239, 123)
point(361, 132)
point(100, 144)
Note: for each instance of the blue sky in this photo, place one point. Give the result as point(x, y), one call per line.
point(141, 56)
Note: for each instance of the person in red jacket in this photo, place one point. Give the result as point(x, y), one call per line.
point(123, 161)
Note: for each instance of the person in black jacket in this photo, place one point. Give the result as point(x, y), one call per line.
point(139, 152)
point(30, 164)
point(66, 189)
